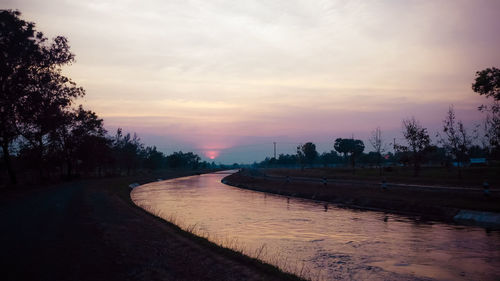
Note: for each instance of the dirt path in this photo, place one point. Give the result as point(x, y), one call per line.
point(434, 203)
point(85, 231)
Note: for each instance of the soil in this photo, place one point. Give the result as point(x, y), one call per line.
point(436, 204)
point(90, 230)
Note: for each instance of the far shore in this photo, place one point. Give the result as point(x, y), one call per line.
point(427, 204)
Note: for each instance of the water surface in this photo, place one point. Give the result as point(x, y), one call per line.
point(322, 241)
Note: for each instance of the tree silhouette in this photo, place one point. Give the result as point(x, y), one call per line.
point(487, 82)
point(19, 49)
point(39, 126)
point(127, 151)
point(77, 127)
point(153, 158)
point(456, 140)
point(342, 146)
point(34, 93)
point(331, 157)
point(351, 147)
point(378, 144)
point(179, 160)
point(418, 142)
point(307, 153)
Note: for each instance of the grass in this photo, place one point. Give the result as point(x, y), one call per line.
point(225, 246)
point(471, 176)
point(429, 204)
point(109, 237)
point(231, 247)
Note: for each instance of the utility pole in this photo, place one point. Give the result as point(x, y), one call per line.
point(274, 150)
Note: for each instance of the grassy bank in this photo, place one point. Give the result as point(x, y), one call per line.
point(91, 230)
point(471, 176)
point(430, 204)
point(274, 272)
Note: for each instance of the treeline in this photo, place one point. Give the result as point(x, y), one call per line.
point(455, 145)
point(43, 134)
point(434, 155)
point(99, 155)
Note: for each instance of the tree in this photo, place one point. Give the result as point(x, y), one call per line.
point(76, 128)
point(127, 149)
point(100, 156)
point(33, 92)
point(378, 145)
point(487, 82)
point(351, 147)
point(287, 159)
point(342, 146)
point(307, 153)
point(418, 142)
point(331, 157)
point(49, 96)
point(19, 48)
point(181, 160)
point(154, 159)
point(456, 141)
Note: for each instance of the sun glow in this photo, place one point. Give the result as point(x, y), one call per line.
point(211, 154)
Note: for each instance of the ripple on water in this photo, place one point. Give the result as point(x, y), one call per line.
point(340, 244)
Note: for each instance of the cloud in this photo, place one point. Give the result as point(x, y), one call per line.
point(215, 73)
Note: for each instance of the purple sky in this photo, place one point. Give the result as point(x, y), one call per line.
point(228, 78)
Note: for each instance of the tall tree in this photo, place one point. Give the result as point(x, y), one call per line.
point(34, 94)
point(342, 146)
point(19, 49)
point(179, 160)
point(331, 157)
point(351, 147)
point(487, 83)
point(75, 129)
point(49, 94)
point(307, 153)
point(378, 145)
point(127, 151)
point(456, 140)
point(153, 158)
point(418, 142)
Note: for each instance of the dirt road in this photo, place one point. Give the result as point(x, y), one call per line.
point(88, 230)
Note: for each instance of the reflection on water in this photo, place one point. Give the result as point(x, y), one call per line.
point(321, 240)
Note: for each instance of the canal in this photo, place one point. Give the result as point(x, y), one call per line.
point(321, 241)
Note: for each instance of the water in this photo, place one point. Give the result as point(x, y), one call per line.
point(321, 241)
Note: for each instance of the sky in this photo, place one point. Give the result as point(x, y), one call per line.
point(226, 79)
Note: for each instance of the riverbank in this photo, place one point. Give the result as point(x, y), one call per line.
point(91, 230)
point(471, 177)
point(428, 204)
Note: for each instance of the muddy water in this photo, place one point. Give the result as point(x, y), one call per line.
point(322, 241)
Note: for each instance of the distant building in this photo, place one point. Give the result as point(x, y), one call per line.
point(478, 161)
point(472, 162)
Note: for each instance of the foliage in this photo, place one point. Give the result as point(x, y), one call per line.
point(183, 160)
point(306, 153)
point(19, 44)
point(352, 147)
point(34, 95)
point(77, 129)
point(456, 141)
point(418, 142)
point(328, 158)
point(41, 129)
point(487, 83)
point(378, 145)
